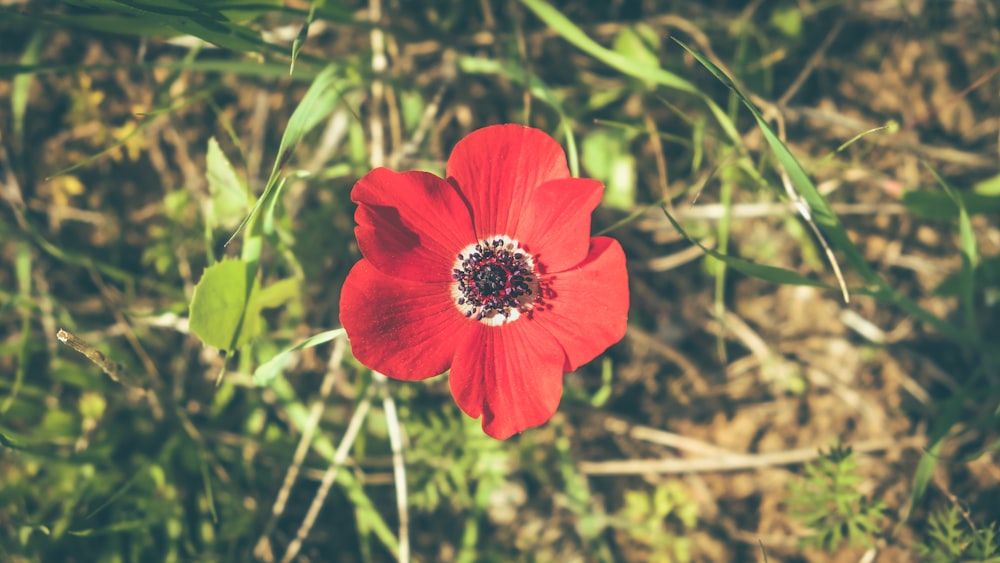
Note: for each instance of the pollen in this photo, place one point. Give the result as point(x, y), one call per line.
point(494, 281)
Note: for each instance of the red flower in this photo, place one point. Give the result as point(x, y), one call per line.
point(491, 273)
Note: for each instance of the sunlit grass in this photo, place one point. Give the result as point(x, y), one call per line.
point(175, 182)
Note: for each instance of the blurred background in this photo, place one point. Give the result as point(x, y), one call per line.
point(746, 416)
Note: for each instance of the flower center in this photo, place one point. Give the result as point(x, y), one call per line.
point(494, 281)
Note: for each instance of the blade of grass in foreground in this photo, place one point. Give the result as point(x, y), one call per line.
point(828, 221)
point(970, 256)
point(655, 75)
point(322, 97)
point(767, 273)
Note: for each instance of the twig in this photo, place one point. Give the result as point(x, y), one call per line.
point(113, 369)
point(426, 121)
point(137, 347)
point(330, 475)
point(811, 64)
point(398, 466)
point(661, 162)
point(263, 548)
point(677, 259)
point(379, 65)
point(714, 211)
point(668, 439)
point(734, 462)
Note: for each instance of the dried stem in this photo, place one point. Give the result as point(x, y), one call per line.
point(330, 475)
point(263, 548)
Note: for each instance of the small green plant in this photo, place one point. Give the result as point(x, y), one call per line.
point(827, 500)
point(658, 521)
point(949, 538)
point(452, 461)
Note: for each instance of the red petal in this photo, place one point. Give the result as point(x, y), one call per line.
point(555, 223)
point(497, 168)
point(402, 328)
point(510, 375)
point(411, 225)
point(588, 308)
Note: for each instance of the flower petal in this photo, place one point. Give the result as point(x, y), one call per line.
point(404, 329)
point(511, 376)
point(496, 168)
point(555, 222)
point(586, 307)
point(411, 224)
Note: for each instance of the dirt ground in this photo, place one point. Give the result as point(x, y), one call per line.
point(725, 399)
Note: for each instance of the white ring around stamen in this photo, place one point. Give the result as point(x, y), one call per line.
point(495, 318)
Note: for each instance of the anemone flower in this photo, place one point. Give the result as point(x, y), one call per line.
point(490, 273)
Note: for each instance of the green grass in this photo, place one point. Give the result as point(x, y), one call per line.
point(175, 191)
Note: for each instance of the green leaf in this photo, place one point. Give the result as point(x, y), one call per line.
point(788, 21)
point(608, 158)
point(222, 312)
point(20, 89)
point(266, 372)
point(278, 293)
point(941, 206)
point(639, 69)
point(820, 210)
point(228, 195)
point(654, 74)
point(186, 18)
point(988, 187)
point(300, 39)
point(947, 420)
point(639, 44)
point(970, 256)
point(318, 102)
point(764, 272)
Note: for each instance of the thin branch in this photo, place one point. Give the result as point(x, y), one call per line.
point(330, 475)
point(398, 466)
point(263, 548)
point(734, 462)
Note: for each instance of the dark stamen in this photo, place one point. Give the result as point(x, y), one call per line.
point(493, 279)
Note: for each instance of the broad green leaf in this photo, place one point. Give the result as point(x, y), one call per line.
point(764, 272)
point(222, 311)
point(228, 195)
point(266, 372)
